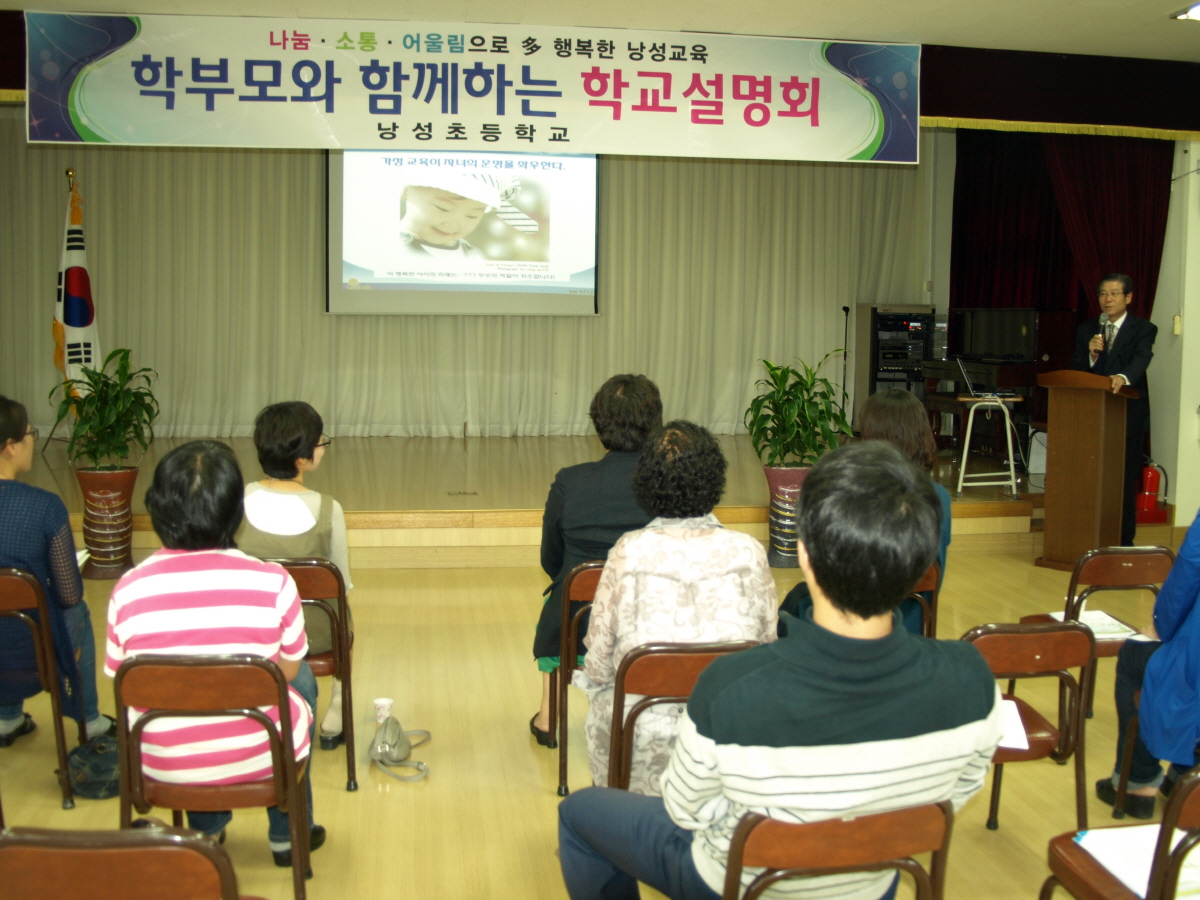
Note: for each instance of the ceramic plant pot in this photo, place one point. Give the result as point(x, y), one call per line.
point(784, 483)
point(107, 520)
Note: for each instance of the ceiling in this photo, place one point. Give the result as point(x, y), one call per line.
point(1137, 28)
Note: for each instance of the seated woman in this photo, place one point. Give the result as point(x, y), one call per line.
point(247, 606)
point(286, 520)
point(35, 535)
point(589, 507)
point(898, 417)
point(682, 578)
point(1164, 670)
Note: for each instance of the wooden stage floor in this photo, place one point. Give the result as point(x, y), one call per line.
point(372, 475)
point(451, 502)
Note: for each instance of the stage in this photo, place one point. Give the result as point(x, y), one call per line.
point(472, 502)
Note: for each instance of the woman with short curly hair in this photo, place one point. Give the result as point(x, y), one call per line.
point(682, 578)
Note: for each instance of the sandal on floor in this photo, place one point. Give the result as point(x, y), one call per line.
point(332, 741)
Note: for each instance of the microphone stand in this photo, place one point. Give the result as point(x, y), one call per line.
point(845, 353)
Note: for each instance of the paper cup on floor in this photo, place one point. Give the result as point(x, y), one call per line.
point(383, 709)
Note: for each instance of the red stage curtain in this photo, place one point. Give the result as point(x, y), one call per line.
point(1009, 247)
point(1112, 195)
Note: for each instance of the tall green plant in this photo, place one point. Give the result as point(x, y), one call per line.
point(797, 416)
point(113, 411)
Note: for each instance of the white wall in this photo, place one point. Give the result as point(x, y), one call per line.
point(1174, 376)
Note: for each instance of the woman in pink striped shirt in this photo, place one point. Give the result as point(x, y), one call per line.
point(200, 595)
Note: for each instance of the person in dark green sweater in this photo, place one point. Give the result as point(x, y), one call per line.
point(848, 714)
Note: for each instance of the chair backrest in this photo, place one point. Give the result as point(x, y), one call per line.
point(871, 842)
point(929, 581)
point(1183, 812)
point(578, 587)
point(1117, 569)
point(140, 864)
point(20, 592)
point(662, 673)
point(1042, 650)
point(175, 686)
point(1032, 650)
point(928, 585)
point(318, 581)
point(580, 583)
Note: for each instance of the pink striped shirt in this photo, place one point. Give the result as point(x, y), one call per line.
point(209, 602)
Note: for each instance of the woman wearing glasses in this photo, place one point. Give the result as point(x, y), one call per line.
point(285, 519)
point(35, 535)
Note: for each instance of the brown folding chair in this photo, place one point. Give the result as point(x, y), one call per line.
point(20, 594)
point(1085, 878)
point(1111, 569)
point(319, 581)
point(1040, 651)
point(146, 864)
point(867, 843)
point(173, 686)
point(929, 584)
point(662, 673)
point(579, 587)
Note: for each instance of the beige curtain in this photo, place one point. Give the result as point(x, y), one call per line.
point(210, 265)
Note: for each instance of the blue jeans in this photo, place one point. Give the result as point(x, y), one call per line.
point(83, 642)
point(609, 840)
point(278, 834)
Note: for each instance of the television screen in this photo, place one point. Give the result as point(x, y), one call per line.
point(995, 335)
point(462, 233)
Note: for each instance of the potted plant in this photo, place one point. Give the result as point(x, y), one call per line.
point(795, 418)
point(114, 410)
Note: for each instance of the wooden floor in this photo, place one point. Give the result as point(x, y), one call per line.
point(452, 648)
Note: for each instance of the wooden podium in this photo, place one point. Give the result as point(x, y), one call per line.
point(1085, 465)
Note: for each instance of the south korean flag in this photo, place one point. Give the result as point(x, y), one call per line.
point(75, 335)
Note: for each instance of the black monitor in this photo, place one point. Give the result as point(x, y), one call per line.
point(994, 335)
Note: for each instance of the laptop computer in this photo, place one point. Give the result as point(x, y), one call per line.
point(971, 387)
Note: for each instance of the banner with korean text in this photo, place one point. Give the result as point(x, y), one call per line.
point(214, 81)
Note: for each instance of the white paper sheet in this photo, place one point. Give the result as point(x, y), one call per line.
point(1014, 737)
point(1128, 852)
point(1103, 626)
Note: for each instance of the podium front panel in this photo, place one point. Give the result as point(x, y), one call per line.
point(1084, 473)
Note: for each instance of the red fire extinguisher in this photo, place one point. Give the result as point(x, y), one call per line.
point(1148, 511)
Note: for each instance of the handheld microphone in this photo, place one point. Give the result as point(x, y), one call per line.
point(1103, 333)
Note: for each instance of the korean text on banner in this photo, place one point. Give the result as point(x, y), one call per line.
point(327, 83)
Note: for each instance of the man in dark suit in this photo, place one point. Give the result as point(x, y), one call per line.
point(1122, 350)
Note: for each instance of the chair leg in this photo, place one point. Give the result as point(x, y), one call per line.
point(60, 740)
point(1048, 887)
point(348, 729)
point(1081, 820)
point(300, 828)
point(993, 821)
point(558, 702)
point(177, 818)
point(1090, 683)
point(1131, 732)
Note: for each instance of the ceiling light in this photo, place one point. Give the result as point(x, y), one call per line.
point(1191, 12)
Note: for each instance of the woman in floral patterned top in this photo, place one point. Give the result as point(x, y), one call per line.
point(683, 578)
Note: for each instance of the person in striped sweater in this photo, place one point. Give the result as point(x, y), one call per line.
point(846, 714)
point(200, 595)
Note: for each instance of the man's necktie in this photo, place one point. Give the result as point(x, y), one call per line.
point(1110, 335)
